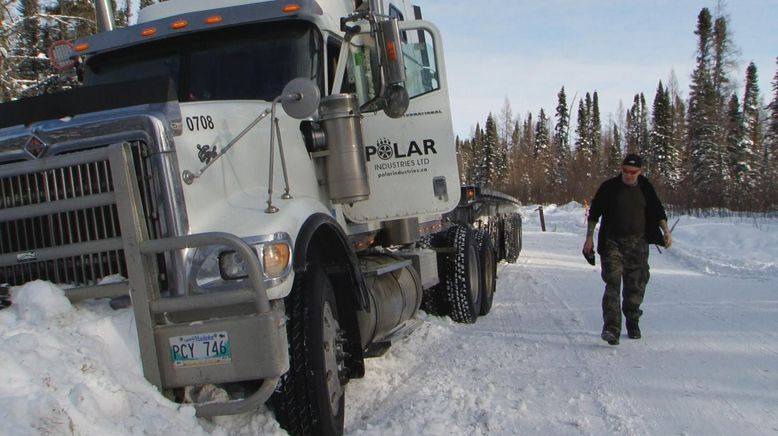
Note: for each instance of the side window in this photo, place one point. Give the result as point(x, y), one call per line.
point(421, 70)
point(363, 72)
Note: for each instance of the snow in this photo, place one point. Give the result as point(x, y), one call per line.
point(707, 363)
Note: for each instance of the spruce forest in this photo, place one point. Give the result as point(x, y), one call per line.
point(718, 148)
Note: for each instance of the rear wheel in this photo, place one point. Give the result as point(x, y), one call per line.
point(512, 237)
point(310, 398)
point(487, 258)
point(462, 276)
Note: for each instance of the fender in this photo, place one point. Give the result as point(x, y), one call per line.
point(321, 228)
point(321, 234)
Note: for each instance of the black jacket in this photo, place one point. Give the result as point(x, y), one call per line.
point(604, 205)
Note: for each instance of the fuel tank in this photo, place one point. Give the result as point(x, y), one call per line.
point(394, 297)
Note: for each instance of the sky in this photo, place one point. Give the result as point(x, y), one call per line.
point(525, 51)
point(534, 366)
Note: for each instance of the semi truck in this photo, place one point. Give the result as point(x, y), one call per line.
point(267, 182)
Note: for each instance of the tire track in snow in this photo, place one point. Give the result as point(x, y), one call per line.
point(589, 364)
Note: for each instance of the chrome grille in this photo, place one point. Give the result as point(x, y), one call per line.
point(57, 228)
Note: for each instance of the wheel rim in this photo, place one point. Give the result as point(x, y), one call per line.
point(472, 273)
point(330, 329)
point(489, 273)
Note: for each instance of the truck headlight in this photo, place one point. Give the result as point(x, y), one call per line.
point(232, 266)
point(217, 267)
point(275, 262)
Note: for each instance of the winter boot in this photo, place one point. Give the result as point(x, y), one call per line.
point(633, 330)
point(610, 337)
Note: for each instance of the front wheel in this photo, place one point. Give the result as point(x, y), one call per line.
point(310, 398)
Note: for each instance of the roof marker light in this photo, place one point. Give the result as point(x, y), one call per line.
point(148, 31)
point(179, 24)
point(290, 8)
point(214, 19)
point(82, 47)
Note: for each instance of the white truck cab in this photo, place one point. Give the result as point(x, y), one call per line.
point(269, 177)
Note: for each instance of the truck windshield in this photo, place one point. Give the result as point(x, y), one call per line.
point(247, 63)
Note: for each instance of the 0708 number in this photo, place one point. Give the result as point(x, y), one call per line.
point(199, 122)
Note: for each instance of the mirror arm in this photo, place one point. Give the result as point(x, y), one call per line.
point(189, 177)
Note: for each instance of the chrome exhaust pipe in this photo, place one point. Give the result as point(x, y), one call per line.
point(104, 15)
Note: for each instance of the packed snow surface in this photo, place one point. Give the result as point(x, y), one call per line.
point(707, 363)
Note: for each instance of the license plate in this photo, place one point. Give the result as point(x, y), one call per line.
point(200, 349)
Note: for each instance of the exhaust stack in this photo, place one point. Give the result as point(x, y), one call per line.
point(104, 15)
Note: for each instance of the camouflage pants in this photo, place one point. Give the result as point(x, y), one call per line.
point(623, 259)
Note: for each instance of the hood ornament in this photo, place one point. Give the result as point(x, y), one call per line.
point(35, 147)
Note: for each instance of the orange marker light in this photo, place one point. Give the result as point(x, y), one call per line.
point(391, 50)
point(81, 47)
point(179, 24)
point(148, 32)
point(290, 8)
point(214, 19)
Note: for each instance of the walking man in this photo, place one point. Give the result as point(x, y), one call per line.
point(632, 215)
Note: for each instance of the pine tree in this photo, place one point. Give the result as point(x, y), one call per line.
point(527, 143)
point(644, 143)
point(636, 119)
point(737, 154)
point(28, 66)
point(680, 143)
point(771, 146)
point(582, 131)
point(5, 51)
point(752, 133)
point(144, 3)
point(595, 135)
point(662, 155)
point(723, 51)
point(561, 146)
point(477, 147)
point(544, 158)
point(489, 149)
point(707, 163)
point(613, 153)
point(500, 169)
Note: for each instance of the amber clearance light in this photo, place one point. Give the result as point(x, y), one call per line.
point(290, 8)
point(214, 19)
point(391, 50)
point(179, 24)
point(149, 31)
point(81, 47)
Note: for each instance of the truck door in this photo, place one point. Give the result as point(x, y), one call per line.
point(411, 160)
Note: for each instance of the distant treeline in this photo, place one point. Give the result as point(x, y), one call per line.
point(716, 149)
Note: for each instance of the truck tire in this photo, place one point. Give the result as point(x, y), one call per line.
point(488, 260)
point(462, 276)
point(512, 238)
point(310, 398)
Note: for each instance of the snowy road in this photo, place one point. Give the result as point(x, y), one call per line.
point(707, 363)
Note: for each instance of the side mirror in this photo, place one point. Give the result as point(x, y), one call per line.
point(393, 65)
point(391, 46)
point(300, 98)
